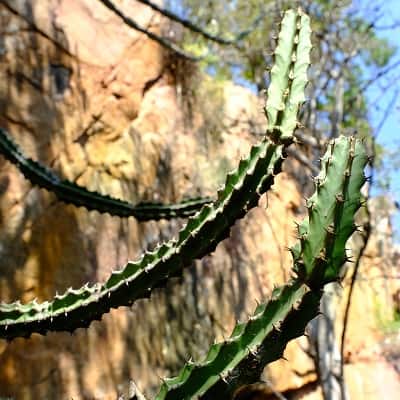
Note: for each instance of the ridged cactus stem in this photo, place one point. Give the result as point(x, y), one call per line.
point(241, 359)
point(243, 187)
point(321, 250)
point(71, 193)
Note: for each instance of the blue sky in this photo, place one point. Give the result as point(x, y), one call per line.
point(389, 133)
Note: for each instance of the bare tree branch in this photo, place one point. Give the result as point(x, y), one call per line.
point(375, 78)
point(387, 112)
point(366, 235)
point(197, 29)
point(395, 25)
point(302, 159)
point(162, 41)
point(306, 138)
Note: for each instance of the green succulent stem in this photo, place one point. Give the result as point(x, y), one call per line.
point(241, 359)
point(77, 308)
point(318, 255)
point(262, 339)
point(202, 233)
point(71, 193)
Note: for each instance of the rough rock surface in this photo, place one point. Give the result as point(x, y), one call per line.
point(96, 101)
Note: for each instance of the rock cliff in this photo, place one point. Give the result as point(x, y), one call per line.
point(101, 105)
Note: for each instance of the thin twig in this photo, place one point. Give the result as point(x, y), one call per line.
point(197, 29)
point(379, 75)
point(162, 41)
point(301, 158)
point(306, 138)
point(395, 25)
point(366, 236)
point(387, 112)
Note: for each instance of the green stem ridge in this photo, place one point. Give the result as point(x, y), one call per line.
point(321, 252)
point(202, 233)
point(240, 359)
point(71, 193)
point(77, 308)
point(289, 76)
point(317, 256)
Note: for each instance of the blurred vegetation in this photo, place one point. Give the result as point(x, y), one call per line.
point(347, 48)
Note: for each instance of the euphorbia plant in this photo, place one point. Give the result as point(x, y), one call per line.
point(317, 257)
